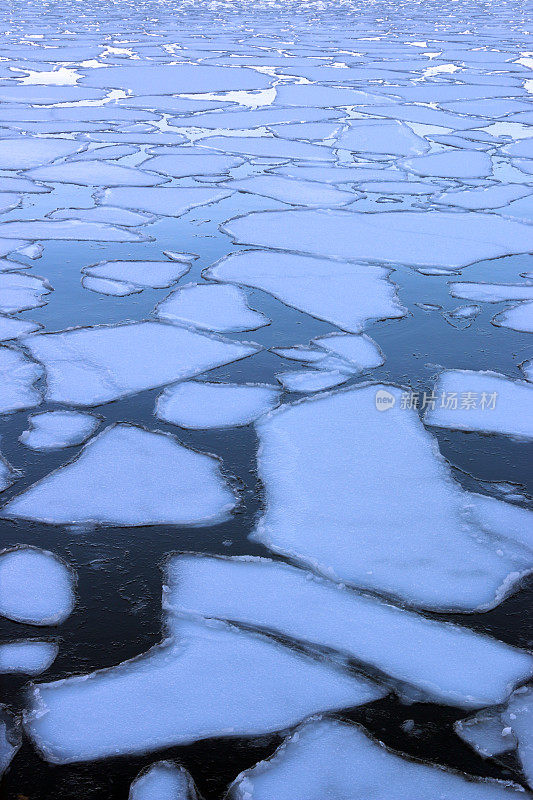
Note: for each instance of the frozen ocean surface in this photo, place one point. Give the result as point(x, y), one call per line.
point(266, 301)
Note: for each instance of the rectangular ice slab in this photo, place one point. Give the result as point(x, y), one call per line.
point(326, 758)
point(482, 401)
point(89, 366)
point(446, 663)
point(370, 501)
point(428, 239)
point(210, 680)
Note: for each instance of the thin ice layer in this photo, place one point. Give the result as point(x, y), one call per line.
point(28, 657)
point(163, 780)
point(360, 351)
point(312, 380)
point(18, 376)
point(362, 468)
point(129, 476)
point(326, 758)
point(445, 663)
point(348, 295)
point(153, 274)
point(486, 733)
point(482, 401)
point(195, 404)
point(52, 430)
point(425, 239)
point(207, 681)
point(212, 307)
point(36, 587)
point(89, 366)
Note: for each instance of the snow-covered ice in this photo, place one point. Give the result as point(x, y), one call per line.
point(197, 404)
point(360, 351)
point(445, 663)
point(312, 380)
point(212, 307)
point(519, 318)
point(36, 586)
point(167, 201)
point(129, 476)
point(89, 366)
point(30, 657)
point(20, 292)
point(52, 430)
point(18, 377)
point(329, 758)
point(482, 401)
point(350, 505)
point(208, 680)
point(12, 328)
point(292, 191)
point(163, 780)
point(346, 294)
point(390, 137)
point(491, 292)
point(153, 274)
point(94, 173)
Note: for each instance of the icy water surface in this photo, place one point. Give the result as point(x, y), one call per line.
point(271, 471)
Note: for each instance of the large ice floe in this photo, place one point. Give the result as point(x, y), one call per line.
point(441, 662)
point(129, 476)
point(347, 294)
point(163, 780)
point(207, 680)
point(429, 239)
point(88, 366)
point(328, 758)
point(36, 587)
point(370, 501)
point(213, 307)
point(482, 401)
point(197, 404)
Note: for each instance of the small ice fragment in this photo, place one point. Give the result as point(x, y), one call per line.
point(294, 192)
point(329, 758)
point(155, 481)
point(519, 717)
point(361, 351)
point(163, 780)
point(212, 307)
point(194, 404)
point(36, 587)
point(483, 401)
point(53, 430)
point(10, 738)
point(486, 734)
point(111, 288)
point(253, 685)
point(312, 380)
point(28, 657)
point(32, 251)
point(153, 274)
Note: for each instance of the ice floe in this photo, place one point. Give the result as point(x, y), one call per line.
point(360, 351)
point(36, 587)
point(451, 164)
point(19, 375)
point(129, 476)
point(152, 274)
point(169, 202)
point(346, 294)
point(94, 173)
point(21, 292)
point(326, 757)
point(163, 780)
point(170, 79)
point(494, 196)
point(362, 467)
point(519, 318)
point(212, 307)
point(445, 663)
point(27, 152)
point(111, 288)
point(208, 680)
point(491, 292)
point(66, 229)
point(482, 401)
point(93, 365)
point(519, 717)
point(12, 328)
point(29, 657)
point(292, 191)
point(10, 738)
point(312, 380)
point(430, 239)
point(191, 161)
point(390, 137)
point(195, 404)
point(105, 214)
point(486, 734)
point(52, 430)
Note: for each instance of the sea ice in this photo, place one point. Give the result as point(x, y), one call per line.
point(519, 318)
point(192, 161)
point(312, 380)
point(129, 476)
point(491, 292)
point(21, 292)
point(451, 240)
point(93, 365)
point(326, 758)
point(360, 351)
point(12, 328)
point(348, 295)
point(207, 681)
point(10, 738)
point(36, 587)
point(362, 468)
point(194, 404)
point(53, 430)
point(292, 191)
point(382, 137)
point(268, 147)
point(163, 780)
point(482, 401)
point(94, 173)
point(486, 734)
point(152, 274)
point(451, 164)
point(165, 79)
point(18, 376)
point(106, 214)
point(444, 662)
point(67, 229)
point(474, 199)
point(27, 656)
point(26, 152)
point(169, 202)
point(212, 307)
point(111, 288)
point(519, 717)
